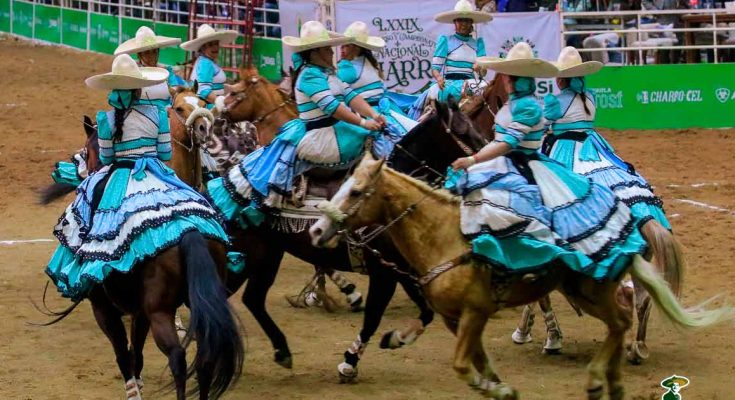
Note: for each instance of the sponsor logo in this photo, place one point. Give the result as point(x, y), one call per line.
point(607, 98)
point(723, 95)
point(509, 43)
point(670, 96)
point(673, 385)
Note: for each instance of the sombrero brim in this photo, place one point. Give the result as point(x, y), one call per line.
point(224, 37)
point(133, 47)
point(149, 76)
point(297, 45)
point(477, 17)
point(372, 43)
point(528, 67)
point(584, 69)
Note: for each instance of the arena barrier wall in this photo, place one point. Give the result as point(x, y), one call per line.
point(629, 97)
point(102, 33)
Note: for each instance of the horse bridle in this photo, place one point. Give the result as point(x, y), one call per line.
point(448, 129)
point(242, 95)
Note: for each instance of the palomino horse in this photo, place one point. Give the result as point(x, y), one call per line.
point(151, 293)
point(423, 222)
point(665, 251)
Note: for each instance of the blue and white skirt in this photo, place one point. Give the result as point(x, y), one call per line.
point(142, 210)
point(523, 211)
point(587, 153)
point(265, 177)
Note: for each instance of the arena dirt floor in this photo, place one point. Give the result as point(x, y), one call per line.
point(44, 98)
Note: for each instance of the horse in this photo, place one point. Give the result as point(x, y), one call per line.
point(429, 144)
point(189, 272)
point(482, 108)
point(423, 222)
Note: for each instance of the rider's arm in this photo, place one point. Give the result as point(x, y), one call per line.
point(204, 80)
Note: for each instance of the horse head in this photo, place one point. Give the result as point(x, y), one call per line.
point(432, 145)
point(253, 98)
point(355, 204)
point(482, 109)
point(192, 113)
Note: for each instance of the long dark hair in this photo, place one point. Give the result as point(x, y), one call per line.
point(305, 58)
point(121, 113)
point(583, 94)
point(372, 60)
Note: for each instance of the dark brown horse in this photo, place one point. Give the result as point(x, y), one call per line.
point(482, 109)
point(151, 293)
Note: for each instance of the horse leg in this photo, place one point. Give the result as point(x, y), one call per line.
point(167, 340)
point(262, 276)
point(381, 288)
point(522, 334)
point(553, 331)
point(109, 319)
point(354, 298)
point(139, 328)
point(638, 351)
point(398, 338)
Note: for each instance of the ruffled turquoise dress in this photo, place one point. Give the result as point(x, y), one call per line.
point(315, 139)
point(577, 145)
point(523, 210)
point(132, 209)
point(454, 58)
point(364, 79)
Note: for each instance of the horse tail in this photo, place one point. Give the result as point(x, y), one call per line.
point(668, 256)
point(220, 352)
point(665, 299)
point(53, 192)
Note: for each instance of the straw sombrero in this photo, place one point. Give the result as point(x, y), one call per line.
point(570, 64)
point(669, 382)
point(463, 9)
point(314, 35)
point(359, 34)
point(145, 40)
point(127, 75)
point(206, 34)
point(519, 62)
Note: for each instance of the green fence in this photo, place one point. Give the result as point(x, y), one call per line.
point(665, 96)
point(102, 33)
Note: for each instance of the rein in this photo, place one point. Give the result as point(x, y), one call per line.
point(482, 95)
point(189, 131)
point(448, 129)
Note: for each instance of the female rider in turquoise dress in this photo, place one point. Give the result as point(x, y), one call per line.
point(361, 71)
point(134, 207)
point(522, 210)
point(327, 134)
point(575, 143)
point(209, 77)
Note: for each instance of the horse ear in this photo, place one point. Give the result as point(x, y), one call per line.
point(453, 105)
point(195, 87)
point(442, 110)
point(88, 126)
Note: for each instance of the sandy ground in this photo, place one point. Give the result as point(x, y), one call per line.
point(43, 100)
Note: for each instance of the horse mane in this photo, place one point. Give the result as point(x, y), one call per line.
point(441, 194)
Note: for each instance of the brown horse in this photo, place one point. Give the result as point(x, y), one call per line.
point(188, 272)
point(482, 109)
point(423, 222)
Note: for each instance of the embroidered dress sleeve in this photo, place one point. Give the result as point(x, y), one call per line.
point(314, 84)
point(346, 72)
point(104, 138)
point(481, 52)
point(552, 108)
point(526, 113)
point(163, 143)
point(205, 77)
point(440, 54)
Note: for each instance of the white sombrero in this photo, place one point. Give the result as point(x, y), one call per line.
point(519, 62)
point(570, 64)
point(145, 40)
point(314, 35)
point(359, 33)
point(127, 75)
point(206, 34)
point(463, 9)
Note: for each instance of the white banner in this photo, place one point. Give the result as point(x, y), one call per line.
point(293, 14)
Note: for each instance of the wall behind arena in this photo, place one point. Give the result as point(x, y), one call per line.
point(102, 33)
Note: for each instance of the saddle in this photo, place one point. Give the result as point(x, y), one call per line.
point(318, 182)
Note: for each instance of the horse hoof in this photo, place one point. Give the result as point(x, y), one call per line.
point(503, 391)
point(637, 353)
point(390, 341)
point(347, 373)
point(595, 393)
point(355, 301)
point(520, 338)
point(283, 358)
point(553, 344)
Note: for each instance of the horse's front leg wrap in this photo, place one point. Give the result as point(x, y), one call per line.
point(348, 368)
